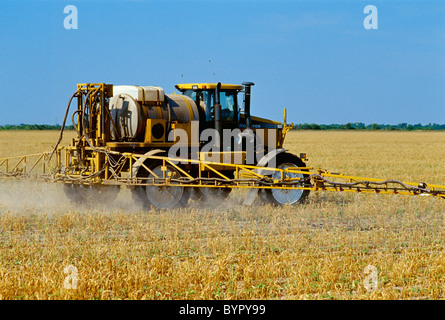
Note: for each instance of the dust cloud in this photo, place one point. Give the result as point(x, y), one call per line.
point(34, 197)
point(21, 196)
point(37, 197)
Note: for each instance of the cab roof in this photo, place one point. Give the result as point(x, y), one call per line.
point(204, 86)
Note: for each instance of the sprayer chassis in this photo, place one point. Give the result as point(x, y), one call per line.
point(93, 159)
point(60, 169)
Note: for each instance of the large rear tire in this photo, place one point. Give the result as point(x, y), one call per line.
point(285, 196)
point(159, 196)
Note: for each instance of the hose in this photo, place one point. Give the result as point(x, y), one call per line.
point(303, 182)
point(63, 124)
point(87, 139)
point(368, 183)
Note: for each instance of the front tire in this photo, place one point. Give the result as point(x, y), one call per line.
point(286, 196)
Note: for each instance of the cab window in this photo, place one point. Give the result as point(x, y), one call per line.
point(206, 100)
point(227, 105)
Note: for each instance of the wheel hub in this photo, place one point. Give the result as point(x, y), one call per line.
point(164, 197)
point(287, 196)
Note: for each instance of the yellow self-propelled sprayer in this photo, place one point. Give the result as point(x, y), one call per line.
point(168, 148)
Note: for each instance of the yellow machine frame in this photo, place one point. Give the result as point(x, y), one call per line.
point(245, 176)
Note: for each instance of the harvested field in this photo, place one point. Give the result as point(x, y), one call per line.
point(318, 250)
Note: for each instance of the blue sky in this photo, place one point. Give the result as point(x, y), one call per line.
point(314, 58)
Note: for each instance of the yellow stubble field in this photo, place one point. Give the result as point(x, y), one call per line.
point(336, 246)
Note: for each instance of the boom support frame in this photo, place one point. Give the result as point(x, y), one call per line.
point(117, 170)
point(88, 160)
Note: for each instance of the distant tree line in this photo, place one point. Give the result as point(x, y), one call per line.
point(34, 127)
point(300, 126)
point(372, 126)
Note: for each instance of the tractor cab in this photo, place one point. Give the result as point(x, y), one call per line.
point(205, 97)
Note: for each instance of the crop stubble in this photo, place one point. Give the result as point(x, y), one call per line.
point(314, 251)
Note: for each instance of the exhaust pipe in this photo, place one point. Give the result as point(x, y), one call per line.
point(217, 110)
point(247, 86)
